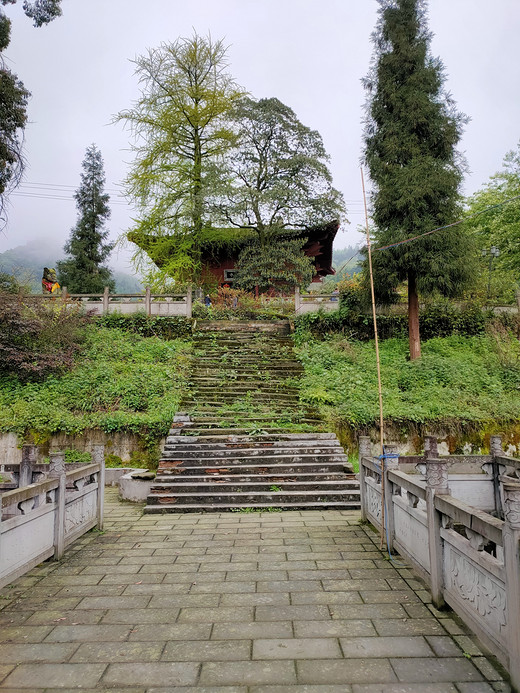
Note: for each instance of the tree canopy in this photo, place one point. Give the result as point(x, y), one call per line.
point(277, 175)
point(499, 226)
point(179, 130)
point(14, 98)
point(82, 271)
point(412, 128)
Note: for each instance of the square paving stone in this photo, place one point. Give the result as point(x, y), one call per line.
point(152, 674)
point(333, 629)
point(325, 598)
point(291, 613)
point(449, 669)
point(224, 588)
point(391, 596)
point(97, 633)
point(34, 676)
point(479, 687)
point(345, 671)
point(368, 611)
point(443, 646)
point(257, 599)
point(405, 688)
point(243, 631)
point(417, 626)
point(118, 652)
point(132, 616)
point(173, 631)
point(306, 648)
point(218, 615)
point(165, 601)
point(230, 673)
point(212, 651)
point(300, 689)
point(130, 602)
point(385, 647)
point(36, 652)
point(357, 585)
point(24, 634)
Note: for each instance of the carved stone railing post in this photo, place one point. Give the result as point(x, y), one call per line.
point(436, 484)
point(511, 543)
point(365, 450)
point(106, 299)
point(29, 459)
point(148, 301)
point(57, 470)
point(189, 301)
point(297, 300)
point(495, 447)
point(390, 463)
point(98, 457)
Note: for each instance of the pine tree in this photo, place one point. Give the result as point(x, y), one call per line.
point(83, 271)
point(411, 132)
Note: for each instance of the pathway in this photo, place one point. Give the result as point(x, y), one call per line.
point(293, 602)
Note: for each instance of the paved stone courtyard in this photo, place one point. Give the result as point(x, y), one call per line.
point(293, 602)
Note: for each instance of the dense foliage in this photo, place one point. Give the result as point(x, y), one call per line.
point(122, 382)
point(437, 319)
point(14, 99)
point(83, 271)
point(412, 129)
point(36, 338)
point(179, 133)
point(276, 175)
point(458, 379)
point(173, 327)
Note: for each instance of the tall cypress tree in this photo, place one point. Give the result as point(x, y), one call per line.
point(83, 271)
point(412, 128)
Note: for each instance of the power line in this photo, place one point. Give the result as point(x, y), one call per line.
point(448, 226)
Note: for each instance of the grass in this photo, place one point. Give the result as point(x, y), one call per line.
point(121, 383)
point(465, 379)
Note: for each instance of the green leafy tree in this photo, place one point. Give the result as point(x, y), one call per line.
point(281, 264)
point(82, 271)
point(14, 99)
point(277, 176)
point(179, 128)
point(411, 132)
point(499, 226)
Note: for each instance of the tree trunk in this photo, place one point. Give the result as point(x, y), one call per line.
point(413, 318)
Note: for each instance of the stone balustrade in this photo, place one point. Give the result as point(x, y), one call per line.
point(466, 549)
point(39, 520)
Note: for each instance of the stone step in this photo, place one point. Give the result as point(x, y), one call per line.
point(237, 441)
point(252, 497)
point(176, 468)
point(222, 474)
point(261, 508)
point(240, 486)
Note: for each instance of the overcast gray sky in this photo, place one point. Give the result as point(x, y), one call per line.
point(311, 54)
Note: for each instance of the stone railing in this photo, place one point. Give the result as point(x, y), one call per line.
point(469, 558)
point(308, 303)
point(151, 304)
point(40, 520)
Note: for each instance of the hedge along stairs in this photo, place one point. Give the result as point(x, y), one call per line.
point(245, 440)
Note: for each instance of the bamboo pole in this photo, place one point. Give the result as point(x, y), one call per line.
point(379, 386)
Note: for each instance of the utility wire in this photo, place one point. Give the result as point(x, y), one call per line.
point(448, 226)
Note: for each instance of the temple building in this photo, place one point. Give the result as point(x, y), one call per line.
point(221, 247)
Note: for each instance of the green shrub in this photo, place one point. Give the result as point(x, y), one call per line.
point(166, 327)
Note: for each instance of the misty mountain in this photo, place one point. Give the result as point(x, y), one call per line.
point(26, 263)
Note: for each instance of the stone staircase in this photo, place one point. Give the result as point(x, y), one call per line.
point(246, 440)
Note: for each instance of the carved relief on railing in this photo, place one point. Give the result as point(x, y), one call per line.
point(512, 503)
point(26, 506)
point(412, 499)
point(374, 503)
point(437, 475)
point(80, 512)
point(475, 587)
point(476, 541)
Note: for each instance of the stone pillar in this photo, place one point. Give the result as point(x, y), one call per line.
point(511, 542)
point(495, 447)
point(297, 300)
point(365, 450)
point(390, 463)
point(148, 301)
point(29, 459)
point(436, 484)
point(57, 464)
point(57, 471)
point(188, 301)
point(105, 300)
point(98, 457)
